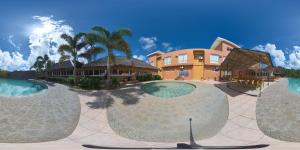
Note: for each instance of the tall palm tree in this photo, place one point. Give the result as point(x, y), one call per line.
point(74, 49)
point(111, 41)
point(70, 51)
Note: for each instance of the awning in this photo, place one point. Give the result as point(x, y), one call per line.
point(245, 59)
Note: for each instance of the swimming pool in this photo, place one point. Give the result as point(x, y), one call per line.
point(10, 87)
point(294, 85)
point(168, 89)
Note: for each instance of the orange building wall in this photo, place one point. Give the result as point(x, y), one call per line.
point(197, 69)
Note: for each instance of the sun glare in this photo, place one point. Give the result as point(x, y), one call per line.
point(42, 29)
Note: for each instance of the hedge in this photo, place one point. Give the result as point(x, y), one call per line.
point(148, 77)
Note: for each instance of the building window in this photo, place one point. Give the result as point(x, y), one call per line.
point(229, 49)
point(167, 60)
point(182, 58)
point(214, 59)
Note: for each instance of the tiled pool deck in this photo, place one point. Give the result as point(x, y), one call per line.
point(93, 128)
point(278, 112)
point(48, 115)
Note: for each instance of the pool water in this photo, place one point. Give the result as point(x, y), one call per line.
point(294, 85)
point(10, 87)
point(168, 89)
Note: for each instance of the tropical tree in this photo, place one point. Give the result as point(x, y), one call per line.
point(41, 64)
point(91, 48)
point(75, 48)
point(111, 41)
point(70, 50)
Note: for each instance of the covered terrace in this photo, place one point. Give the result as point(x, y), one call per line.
point(250, 68)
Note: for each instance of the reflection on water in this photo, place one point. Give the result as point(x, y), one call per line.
point(294, 85)
point(168, 89)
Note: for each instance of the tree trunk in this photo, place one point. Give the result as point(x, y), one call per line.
point(75, 74)
point(108, 80)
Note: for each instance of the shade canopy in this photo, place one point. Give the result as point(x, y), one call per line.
point(246, 59)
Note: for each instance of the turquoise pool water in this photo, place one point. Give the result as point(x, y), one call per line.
point(168, 89)
point(294, 85)
point(10, 87)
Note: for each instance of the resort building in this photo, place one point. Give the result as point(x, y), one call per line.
point(192, 64)
point(122, 67)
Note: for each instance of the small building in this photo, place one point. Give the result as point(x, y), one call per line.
point(194, 63)
point(122, 67)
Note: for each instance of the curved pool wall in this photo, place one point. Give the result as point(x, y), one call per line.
point(11, 87)
point(44, 116)
point(166, 89)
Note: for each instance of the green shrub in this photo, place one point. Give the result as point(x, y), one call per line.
point(70, 80)
point(115, 81)
point(90, 82)
point(148, 77)
point(156, 77)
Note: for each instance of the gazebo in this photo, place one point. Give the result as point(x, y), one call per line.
point(248, 67)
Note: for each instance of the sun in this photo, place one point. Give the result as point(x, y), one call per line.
point(42, 29)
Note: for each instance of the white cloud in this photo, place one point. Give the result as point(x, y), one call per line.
point(294, 58)
point(12, 61)
point(277, 54)
point(148, 43)
point(139, 57)
point(45, 39)
point(167, 46)
point(11, 42)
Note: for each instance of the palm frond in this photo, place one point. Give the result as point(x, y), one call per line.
point(46, 57)
point(67, 38)
point(64, 58)
point(101, 30)
point(122, 46)
point(112, 58)
point(65, 48)
point(85, 55)
point(90, 38)
point(81, 45)
point(78, 36)
point(122, 32)
point(96, 50)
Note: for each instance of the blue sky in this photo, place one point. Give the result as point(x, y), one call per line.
point(32, 28)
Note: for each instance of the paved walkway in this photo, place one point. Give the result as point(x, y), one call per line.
point(93, 127)
point(44, 116)
point(157, 119)
point(278, 112)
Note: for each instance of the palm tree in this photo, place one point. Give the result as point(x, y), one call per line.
point(41, 64)
point(74, 49)
point(91, 48)
point(111, 41)
point(70, 51)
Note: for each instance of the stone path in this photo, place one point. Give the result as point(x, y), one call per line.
point(278, 112)
point(158, 119)
point(49, 115)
